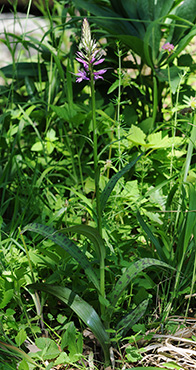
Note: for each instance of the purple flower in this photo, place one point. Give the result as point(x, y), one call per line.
point(89, 55)
point(168, 47)
point(81, 76)
point(98, 74)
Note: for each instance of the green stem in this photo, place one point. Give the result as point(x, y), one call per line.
point(191, 145)
point(155, 100)
point(97, 192)
point(95, 155)
point(190, 149)
point(118, 102)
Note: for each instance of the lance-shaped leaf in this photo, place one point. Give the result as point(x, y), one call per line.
point(152, 237)
point(112, 182)
point(127, 322)
point(84, 311)
point(68, 246)
point(92, 234)
point(130, 273)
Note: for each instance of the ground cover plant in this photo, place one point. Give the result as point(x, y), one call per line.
point(97, 184)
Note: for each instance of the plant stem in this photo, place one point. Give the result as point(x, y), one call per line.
point(97, 192)
point(96, 166)
point(118, 101)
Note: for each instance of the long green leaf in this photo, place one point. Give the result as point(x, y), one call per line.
point(24, 69)
point(84, 311)
point(68, 246)
point(107, 18)
point(92, 234)
point(151, 236)
point(114, 179)
point(127, 322)
point(130, 273)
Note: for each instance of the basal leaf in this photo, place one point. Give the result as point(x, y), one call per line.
point(130, 273)
point(84, 311)
point(24, 69)
point(127, 322)
point(67, 245)
point(92, 234)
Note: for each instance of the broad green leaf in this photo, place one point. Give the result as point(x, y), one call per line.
point(37, 147)
point(130, 273)
point(20, 337)
point(134, 43)
point(84, 311)
point(7, 296)
point(136, 135)
point(130, 192)
point(114, 179)
point(107, 18)
point(127, 322)
point(68, 246)
point(49, 349)
point(92, 234)
point(23, 365)
point(24, 69)
point(156, 141)
point(186, 11)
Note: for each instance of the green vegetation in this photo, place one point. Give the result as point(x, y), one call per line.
point(97, 184)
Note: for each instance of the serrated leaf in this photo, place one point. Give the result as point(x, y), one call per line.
point(86, 312)
point(136, 135)
point(68, 246)
point(157, 141)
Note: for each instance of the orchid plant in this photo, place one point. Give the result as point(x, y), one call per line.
point(89, 56)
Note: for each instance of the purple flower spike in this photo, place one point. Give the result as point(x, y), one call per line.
point(89, 55)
